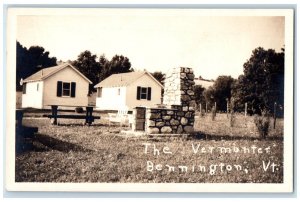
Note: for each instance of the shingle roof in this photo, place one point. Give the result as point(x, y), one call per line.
point(123, 79)
point(46, 72)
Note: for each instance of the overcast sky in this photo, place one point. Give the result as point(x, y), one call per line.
point(156, 40)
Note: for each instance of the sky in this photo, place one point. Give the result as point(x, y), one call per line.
point(156, 40)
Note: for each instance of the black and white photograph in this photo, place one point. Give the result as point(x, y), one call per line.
point(137, 99)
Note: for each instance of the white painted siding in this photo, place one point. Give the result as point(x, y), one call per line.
point(34, 95)
point(65, 75)
point(110, 99)
point(144, 81)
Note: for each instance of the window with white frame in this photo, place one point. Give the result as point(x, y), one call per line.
point(66, 89)
point(143, 93)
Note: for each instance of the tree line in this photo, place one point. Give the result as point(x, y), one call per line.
point(35, 58)
point(261, 85)
point(31, 60)
point(98, 70)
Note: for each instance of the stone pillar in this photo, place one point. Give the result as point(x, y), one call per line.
point(179, 94)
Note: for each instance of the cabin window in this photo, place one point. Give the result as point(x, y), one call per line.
point(99, 92)
point(143, 93)
point(66, 89)
point(24, 88)
point(119, 91)
point(37, 87)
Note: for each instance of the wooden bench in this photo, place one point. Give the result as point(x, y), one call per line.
point(88, 117)
point(121, 117)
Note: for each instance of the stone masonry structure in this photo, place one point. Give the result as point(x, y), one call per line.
point(178, 112)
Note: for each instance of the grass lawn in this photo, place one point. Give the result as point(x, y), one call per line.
point(72, 152)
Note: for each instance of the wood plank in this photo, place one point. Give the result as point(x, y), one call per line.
point(71, 116)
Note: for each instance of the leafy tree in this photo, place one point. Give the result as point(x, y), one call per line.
point(209, 96)
point(262, 83)
point(118, 64)
point(219, 92)
point(223, 86)
point(159, 76)
point(104, 65)
point(86, 63)
point(99, 70)
point(199, 95)
point(31, 60)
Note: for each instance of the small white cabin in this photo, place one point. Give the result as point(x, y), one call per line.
point(58, 85)
point(128, 90)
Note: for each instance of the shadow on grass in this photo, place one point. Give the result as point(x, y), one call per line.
point(40, 143)
point(205, 136)
point(59, 145)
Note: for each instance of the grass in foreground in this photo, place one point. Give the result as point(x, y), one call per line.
point(72, 152)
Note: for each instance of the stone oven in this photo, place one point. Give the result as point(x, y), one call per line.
point(177, 114)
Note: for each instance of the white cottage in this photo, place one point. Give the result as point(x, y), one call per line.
point(58, 85)
point(128, 90)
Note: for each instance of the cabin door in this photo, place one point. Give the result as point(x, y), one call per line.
point(140, 118)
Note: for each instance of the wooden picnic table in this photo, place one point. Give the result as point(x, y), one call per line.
point(89, 118)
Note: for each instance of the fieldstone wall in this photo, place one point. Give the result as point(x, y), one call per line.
point(160, 120)
point(179, 99)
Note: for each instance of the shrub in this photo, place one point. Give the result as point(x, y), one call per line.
point(79, 110)
point(262, 124)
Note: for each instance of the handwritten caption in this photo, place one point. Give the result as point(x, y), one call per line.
point(152, 150)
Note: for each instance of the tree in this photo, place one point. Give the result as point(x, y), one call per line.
point(86, 63)
point(118, 64)
point(99, 70)
point(209, 96)
point(31, 60)
point(199, 95)
point(219, 92)
point(262, 83)
point(104, 65)
point(159, 76)
point(223, 86)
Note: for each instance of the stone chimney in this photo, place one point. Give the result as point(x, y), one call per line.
point(179, 84)
point(179, 114)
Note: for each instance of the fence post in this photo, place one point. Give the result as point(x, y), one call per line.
point(200, 108)
point(213, 113)
point(227, 107)
point(205, 107)
point(246, 108)
point(274, 115)
point(216, 107)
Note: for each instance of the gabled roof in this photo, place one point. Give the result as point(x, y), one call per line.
point(124, 79)
point(47, 72)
